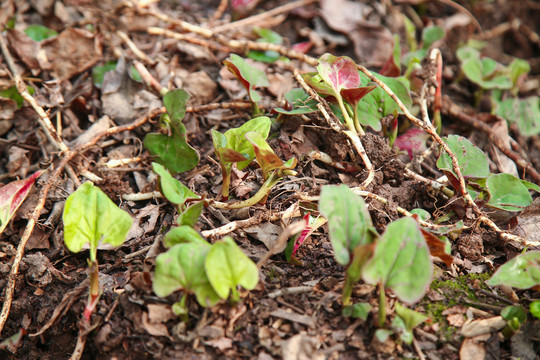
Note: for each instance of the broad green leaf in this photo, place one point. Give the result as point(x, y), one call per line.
point(249, 76)
point(175, 102)
point(12, 196)
point(522, 272)
point(191, 214)
point(534, 308)
point(401, 261)
point(349, 222)
point(378, 104)
point(514, 315)
point(39, 32)
point(422, 214)
point(182, 234)
point(227, 267)
point(173, 151)
point(530, 185)
point(182, 267)
point(466, 52)
point(237, 141)
point(299, 102)
point(507, 192)
point(357, 311)
point(172, 189)
point(525, 113)
point(482, 73)
point(518, 68)
point(91, 217)
point(315, 81)
point(98, 72)
point(266, 157)
point(471, 160)
point(411, 318)
point(431, 34)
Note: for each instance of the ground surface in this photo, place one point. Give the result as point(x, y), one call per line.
point(131, 322)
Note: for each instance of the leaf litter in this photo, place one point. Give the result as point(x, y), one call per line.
point(297, 324)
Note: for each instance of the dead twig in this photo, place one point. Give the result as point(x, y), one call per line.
point(134, 49)
point(257, 19)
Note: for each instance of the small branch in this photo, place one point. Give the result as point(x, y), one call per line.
point(134, 49)
point(257, 19)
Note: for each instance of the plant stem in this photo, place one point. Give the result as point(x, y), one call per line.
point(382, 305)
point(348, 121)
point(94, 291)
point(226, 181)
point(263, 191)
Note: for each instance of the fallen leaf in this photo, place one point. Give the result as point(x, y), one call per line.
point(267, 233)
point(221, 343)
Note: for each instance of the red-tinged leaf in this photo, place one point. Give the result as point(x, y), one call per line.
point(437, 105)
point(437, 247)
point(339, 72)
point(392, 66)
point(266, 157)
point(302, 47)
point(312, 224)
point(413, 141)
point(230, 155)
point(241, 8)
point(353, 96)
point(12, 196)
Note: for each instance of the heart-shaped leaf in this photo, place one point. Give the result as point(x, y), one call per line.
point(507, 192)
point(522, 272)
point(338, 72)
point(182, 267)
point(522, 112)
point(349, 222)
point(173, 151)
point(299, 103)
point(401, 261)
point(91, 217)
point(227, 267)
point(38, 32)
point(12, 196)
point(181, 235)
point(471, 160)
point(172, 189)
point(249, 76)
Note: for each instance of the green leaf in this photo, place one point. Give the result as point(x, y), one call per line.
point(236, 139)
point(483, 73)
point(173, 151)
point(357, 311)
point(349, 222)
point(507, 192)
point(514, 315)
point(299, 102)
point(401, 261)
point(13, 94)
point(249, 76)
point(172, 189)
point(181, 235)
point(266, 36)
point(522, 272)
point(411, 318)
point(422, 214)
point(471, 160)
point(191, 214)
point(522, 112)
point(518, 68)
point(12, 196)
point(182, 267)
point(534, 308)
point(91, 217)
point(378, 104)
point(431, 34)
point(98, 72)
point(227, 267)
point(39, 32)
